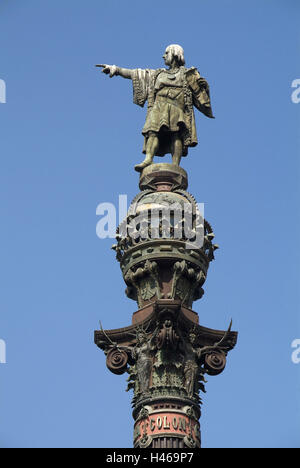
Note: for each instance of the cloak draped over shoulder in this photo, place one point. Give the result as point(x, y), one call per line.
point(171, 97)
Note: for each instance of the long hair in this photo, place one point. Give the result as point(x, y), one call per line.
point(177, 52)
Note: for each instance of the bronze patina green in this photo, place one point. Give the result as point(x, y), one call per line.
point(171, 95)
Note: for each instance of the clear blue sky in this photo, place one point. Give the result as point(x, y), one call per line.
point(69, 139)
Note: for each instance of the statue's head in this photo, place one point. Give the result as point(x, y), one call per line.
point(192, 337)
point(174, 51)
point(141, 337)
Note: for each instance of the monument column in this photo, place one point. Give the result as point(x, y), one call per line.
point(165, 247)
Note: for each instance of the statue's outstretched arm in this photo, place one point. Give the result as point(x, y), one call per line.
point(113, 70)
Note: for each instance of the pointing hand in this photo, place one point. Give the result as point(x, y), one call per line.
point(110, 70)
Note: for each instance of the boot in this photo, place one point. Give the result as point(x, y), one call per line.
point(147, 162)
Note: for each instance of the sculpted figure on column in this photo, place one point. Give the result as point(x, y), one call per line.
point(171, 94)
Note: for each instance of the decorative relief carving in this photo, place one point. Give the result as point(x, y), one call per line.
point(143, 282)
point(187, 283)
point(165, 360)
point(165, 357)
point(148, 288)
point(167, 336)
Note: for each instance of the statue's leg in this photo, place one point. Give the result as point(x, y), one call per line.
point(151, 148)
point(177, 148)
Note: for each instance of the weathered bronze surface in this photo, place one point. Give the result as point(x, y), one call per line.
point(166, 357)
point(171, 94)
point(165, 351)
point(164, 247)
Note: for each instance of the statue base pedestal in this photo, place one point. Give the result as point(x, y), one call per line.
point(163, 177)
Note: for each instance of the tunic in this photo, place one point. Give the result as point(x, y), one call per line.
point(171, 97)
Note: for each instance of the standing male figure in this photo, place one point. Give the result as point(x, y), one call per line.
point(171, 94)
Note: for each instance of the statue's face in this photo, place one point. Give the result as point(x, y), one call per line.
point(141, 338)
point(168, 56)
point(192, 338)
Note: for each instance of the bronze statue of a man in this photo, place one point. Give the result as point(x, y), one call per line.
point(171, 94)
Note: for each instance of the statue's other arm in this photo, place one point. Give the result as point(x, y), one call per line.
point(113, 70)
point(200, 90)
